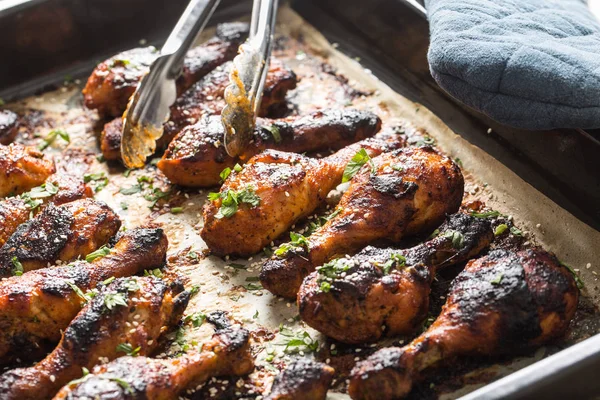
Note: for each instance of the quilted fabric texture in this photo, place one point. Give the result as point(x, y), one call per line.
point(532, 64)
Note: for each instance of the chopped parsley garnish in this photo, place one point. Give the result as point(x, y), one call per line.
point(516, 231)
point(101, 252)
point(500, 229)
point(225, 174)
point(156, 195)
point(498, 279)
point(230, 200)
point(578, 280)
point(176, 210)
point(17, 266)
point(196, 318)
point(486, 214)
point(255, 316)
point(194, 290)
point(325, 287)
point(85, 297)
point(111, 300)
point(34, 196)
point(51, 137)
point(237, 167)
point(458, 239)
point(153, 272)
point(297, 240)
point(253, 286)
point(131, 190)
point(297, 341)
point(275, 132)
point(108, 281)
point(100, 179)
point(132, 285)
point(396, 260)
point(128, 349)
point(334, 269)
point(356, 163)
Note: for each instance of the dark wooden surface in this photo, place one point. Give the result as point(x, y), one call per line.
point(47, 40)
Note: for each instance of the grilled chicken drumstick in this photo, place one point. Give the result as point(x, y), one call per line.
point(273, 191)
point(386, 291)
point(64, 233)
point(62, 189)
point(205, 97)
point(500, 304)
point(395, 195)
point(303, 379)
point(127, 315)
point(196, 156)
point(112, 83)
point(131, 378)
point(22, 168)
point(37, 306)
point(9, 126)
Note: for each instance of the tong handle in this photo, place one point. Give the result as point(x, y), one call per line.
point(192, 21)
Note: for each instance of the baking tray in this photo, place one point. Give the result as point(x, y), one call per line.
point(390, 39)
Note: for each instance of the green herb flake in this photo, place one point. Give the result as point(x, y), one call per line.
point(355, 164)
point(51, 138)
point(498, 279)
point(500, 229)
point(486, 214)
point(128, 349)
point(153, 272)
point(17, 266)
point(325, 287)
point(297, 341)
point(101, 252)
point(197, 319)
point(458, 239)
point(237, 168)
point(176, 210)
point(516, 231)
point(225, 174)
point(78, 291)
point(297, 240)
point(396, 260)
point(111, 300)
point(253, 286)
point(578, 280)
point(231, 199)
point(274, 129)
point(99, 178)
point(255, 316)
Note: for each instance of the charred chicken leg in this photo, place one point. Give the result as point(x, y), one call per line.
point(112, 83)
point(62, 189)
point(196, 156)
point(303, 379)
point(500, 304)
point(386, 291)
point(395, 195)
point(22, 168)
point(59, 233)
point(129, 378)
point(127, 315)
point(273, 191)
point(37, 306)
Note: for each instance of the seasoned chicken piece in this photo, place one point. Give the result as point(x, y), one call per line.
point(22, 168)
point(64, 233)
point(9, 126)
point(129, 378)
point(203, 98)
point(112, 83)
point(15, 211)
point(127, 315)
point(392, 196)
point(197, 155)
point(273, 191)
point(303, 379)
point(37, 306)
point(386, 291)
point(500, 304)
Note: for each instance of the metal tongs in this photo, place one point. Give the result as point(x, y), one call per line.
point(247, 78)
point(148, 108)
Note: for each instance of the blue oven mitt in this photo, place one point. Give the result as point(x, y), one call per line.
point(532, 64)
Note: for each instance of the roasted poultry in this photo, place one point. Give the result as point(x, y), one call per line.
point(303, 379)
point(22, 168)
point(112, 83)
point(59, 233)
point(37, 306)
point(126, 316)
point(386, 291)
point(205, 97)
point(500, 304)
point(62, 189)
point(273, 191)
point(392, 196)
point(196, 156)
point(129, 378)
point(9, 126)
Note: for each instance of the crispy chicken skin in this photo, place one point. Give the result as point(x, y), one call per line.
point(303, 379)
point(148, 307)
point(500, 304)
point(362, 301)
point(37, 306)
point(9, 126)
point(402, 193)
point(22, 168)
point(205, 97)
point(196, 156)
point(141, 378)
point(59, 233)
point(112, 83)
point(290, 186)
point(15, 211)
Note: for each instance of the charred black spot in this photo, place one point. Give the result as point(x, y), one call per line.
point(393, 185)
